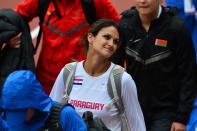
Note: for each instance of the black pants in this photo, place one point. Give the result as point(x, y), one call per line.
point(160, 125)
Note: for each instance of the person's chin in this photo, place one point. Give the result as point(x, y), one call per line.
point(108, 55)
point(144, 11)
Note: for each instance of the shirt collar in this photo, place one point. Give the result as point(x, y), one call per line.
point(159, 13)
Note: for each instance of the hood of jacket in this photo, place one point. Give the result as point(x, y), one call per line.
point(22, 90)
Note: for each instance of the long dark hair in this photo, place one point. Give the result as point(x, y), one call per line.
point(96, 27)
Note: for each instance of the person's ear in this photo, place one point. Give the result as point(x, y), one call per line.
point(90, 38)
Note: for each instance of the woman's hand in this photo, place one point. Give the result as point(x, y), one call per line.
point(15, 42)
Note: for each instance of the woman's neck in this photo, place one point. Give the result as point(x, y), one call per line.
point(95, 66)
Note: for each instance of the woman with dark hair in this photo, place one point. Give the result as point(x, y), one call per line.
point(90, 85)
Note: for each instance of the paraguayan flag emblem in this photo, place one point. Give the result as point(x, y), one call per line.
point(78, 80)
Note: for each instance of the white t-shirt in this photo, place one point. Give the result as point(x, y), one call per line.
point(90, 94)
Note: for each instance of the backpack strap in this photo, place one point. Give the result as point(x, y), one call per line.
point(114, 91)
point(68, 77)
point(89, 10)
point(114, 87)
point(42, 9)
point(56, 9)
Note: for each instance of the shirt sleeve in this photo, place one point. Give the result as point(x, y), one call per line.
point(57, 91)
point(185, 73)
point(28, 9)
point(132, 107)
point(105, 10)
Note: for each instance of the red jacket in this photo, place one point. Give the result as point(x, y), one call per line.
point(60, 43)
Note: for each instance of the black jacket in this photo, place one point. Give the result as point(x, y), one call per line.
point(164, 72)
point(12, 59)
